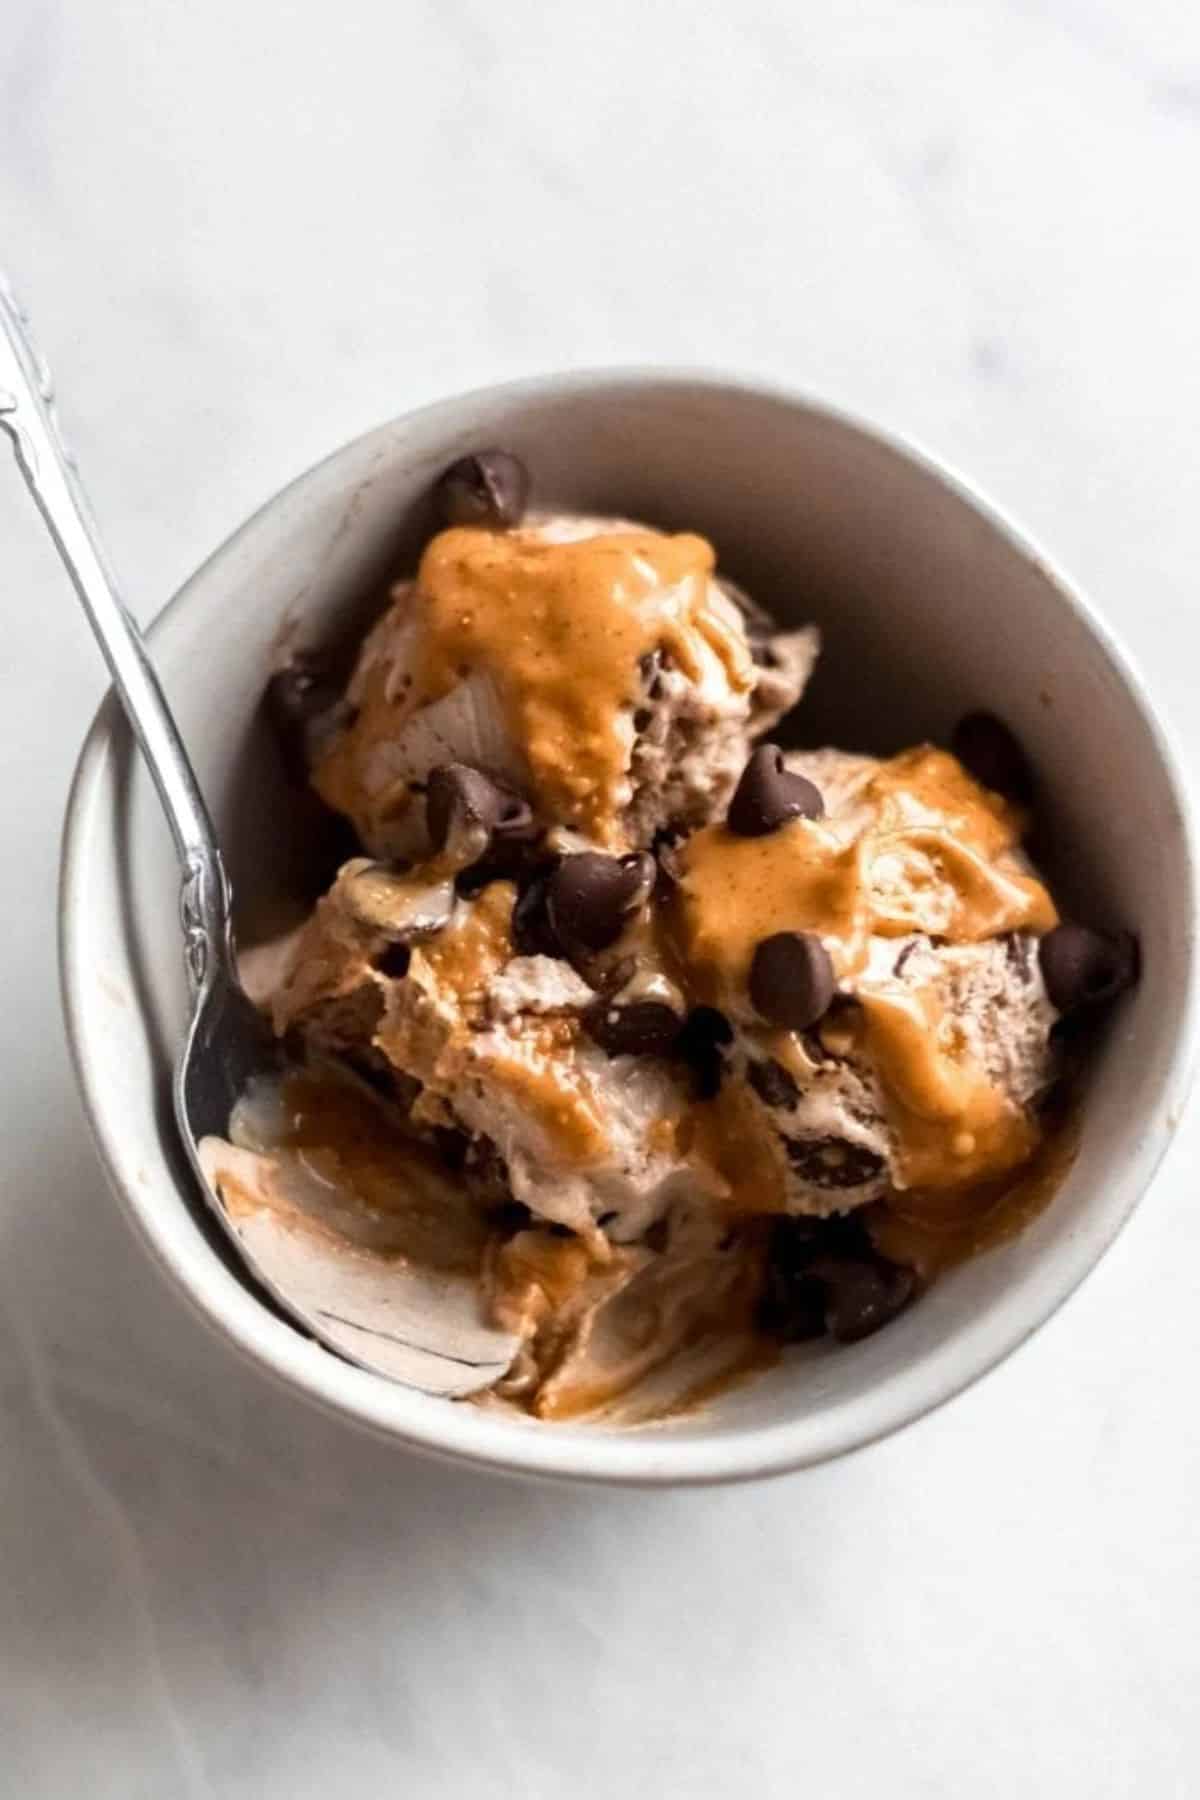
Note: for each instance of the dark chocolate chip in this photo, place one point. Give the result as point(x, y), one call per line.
point(376, 1074)
point(590, 897)
point(772, 1083)
point(489, 488)
point(769, 794)
point(642, 718)
point(305, 707)
point(832, 1162)
point(861, 1295)
point(532, 932)
point(987, 749)
point(452, 1145)
point(393, 961)
point(792, 1306)
point(791, 979)
point(509, 1217)
point(467, 811)
point(1082, 967)
point(705, 1033)
point(634, 1027)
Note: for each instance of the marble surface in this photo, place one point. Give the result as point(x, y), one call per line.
point(249, 232)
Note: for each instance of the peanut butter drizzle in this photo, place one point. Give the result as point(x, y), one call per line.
point(467, 956)
point(543, 1079)
point(952, 1125)
point(930, 1230)
point(924, 848)
point(725, 1141)
point(559, 628)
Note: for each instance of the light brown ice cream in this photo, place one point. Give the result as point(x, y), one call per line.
point(924, 1072)
point(601, 667)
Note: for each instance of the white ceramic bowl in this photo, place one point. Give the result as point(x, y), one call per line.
point(930, 605)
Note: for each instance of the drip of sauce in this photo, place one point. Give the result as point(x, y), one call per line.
point(952, 1125)
point(597, 1335)
point(469, 953)
point(558, 630)
point(931, 1229)
point(729, 1149)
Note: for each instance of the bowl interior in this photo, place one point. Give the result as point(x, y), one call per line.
point(929, 607)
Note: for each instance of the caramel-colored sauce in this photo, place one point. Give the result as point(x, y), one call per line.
point(931, 1229)
point(952, 1125)
point(542, 1079)
point(469, 953)
point(348, 1141)
point(736, 891)
point(923, 848)
point(731, 1151)
point(558, 628)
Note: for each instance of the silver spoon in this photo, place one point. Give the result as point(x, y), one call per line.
point(373, 1309)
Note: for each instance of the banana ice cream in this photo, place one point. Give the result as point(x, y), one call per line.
point(693, 1024)
point(599, 667)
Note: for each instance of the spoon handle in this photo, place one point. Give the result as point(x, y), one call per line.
point(27, 414)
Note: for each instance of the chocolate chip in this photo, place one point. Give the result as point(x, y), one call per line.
point(791, 979)
point(489, 488)
point(452, 1145)
point(509, 1216)
point(769, 794)
point(632, 1028)
point(642, 718)
point(467, 812)
point(772, 1083)
point(305, 707)
point(705, 1032)
point(372, 1068)
point(393, 961)
point(591, 897)
point(1081, 967)
point(987, 749)
point(832, 1162)
point(861, 1295)
point(532, 932)
point(792, 1306)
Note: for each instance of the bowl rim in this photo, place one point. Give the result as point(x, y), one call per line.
point(581, 1453)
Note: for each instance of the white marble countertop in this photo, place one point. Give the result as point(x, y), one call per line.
point(247, 232)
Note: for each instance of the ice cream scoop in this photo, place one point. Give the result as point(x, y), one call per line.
point(601, 668)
